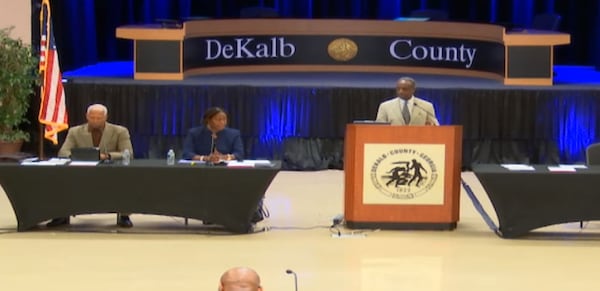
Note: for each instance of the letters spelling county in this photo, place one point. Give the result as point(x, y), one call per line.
point(403, 49)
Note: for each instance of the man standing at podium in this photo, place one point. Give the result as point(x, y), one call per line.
point(406, 109)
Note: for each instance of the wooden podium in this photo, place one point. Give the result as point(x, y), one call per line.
point(402, 177)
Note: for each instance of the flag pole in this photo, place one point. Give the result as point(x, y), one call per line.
point(41, 142)
point(39, 91)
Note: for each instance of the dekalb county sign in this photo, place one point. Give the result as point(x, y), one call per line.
point(462, 54)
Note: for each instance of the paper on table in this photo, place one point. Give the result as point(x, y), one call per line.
point(50, 162)
point(561, 169)
point(518, 167)
point(247, 163)
point(37, 163)
point(84, 163)
point(244, 163)
point(190, 162)
point(573, 166)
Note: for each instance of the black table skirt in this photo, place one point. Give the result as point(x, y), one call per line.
point(527, 200)
point(226, 196)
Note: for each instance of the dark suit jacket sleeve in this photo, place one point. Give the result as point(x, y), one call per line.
point(198, 142)
point(188, 145)
point(238, 146)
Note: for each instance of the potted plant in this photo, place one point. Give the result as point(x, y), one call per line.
point(18, 77)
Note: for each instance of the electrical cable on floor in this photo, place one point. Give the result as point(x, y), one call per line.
point(488, 220)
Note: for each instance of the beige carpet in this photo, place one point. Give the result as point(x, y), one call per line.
point(161, 253)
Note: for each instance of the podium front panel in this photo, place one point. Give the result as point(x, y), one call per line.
point(405, 177)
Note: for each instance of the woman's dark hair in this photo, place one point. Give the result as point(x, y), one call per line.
point(211, 112)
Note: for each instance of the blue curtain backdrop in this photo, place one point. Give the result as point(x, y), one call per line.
point(85, 32)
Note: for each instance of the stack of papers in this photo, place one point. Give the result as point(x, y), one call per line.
point(84, 163)
point(50, 162)
point(518, 167)
point(566, 168)
point(233, 163)
point(248, 163)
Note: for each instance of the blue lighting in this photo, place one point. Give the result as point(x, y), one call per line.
point(576, 120)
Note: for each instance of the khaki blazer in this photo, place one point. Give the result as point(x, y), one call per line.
point(115, 139)
point(421, 112)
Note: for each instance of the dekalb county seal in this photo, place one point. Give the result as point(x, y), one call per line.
point(342, 49)
point(403, 173)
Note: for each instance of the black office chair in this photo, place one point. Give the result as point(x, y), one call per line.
point(592, 158)
point(592, 154)
point(258, 12)
point(546, 21)
point(431, 14)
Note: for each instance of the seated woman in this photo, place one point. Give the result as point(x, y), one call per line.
point(214, 141)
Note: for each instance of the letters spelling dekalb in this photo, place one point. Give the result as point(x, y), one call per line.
point(245, 48)
point(279, 47)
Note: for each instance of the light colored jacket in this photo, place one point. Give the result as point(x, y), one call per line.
point(421, 112)
point(115, 139)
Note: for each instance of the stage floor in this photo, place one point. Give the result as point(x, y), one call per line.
point(162, 253)
point(567, 77)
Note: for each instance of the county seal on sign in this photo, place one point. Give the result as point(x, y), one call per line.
point(407, 174)
point(342, 49)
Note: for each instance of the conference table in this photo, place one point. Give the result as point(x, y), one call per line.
point(227, 196)
point(525, 200)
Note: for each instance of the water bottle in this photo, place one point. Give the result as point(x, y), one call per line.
point(126, 158)
point(171, 157)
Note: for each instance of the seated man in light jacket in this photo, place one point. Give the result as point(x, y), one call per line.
point(110, 138)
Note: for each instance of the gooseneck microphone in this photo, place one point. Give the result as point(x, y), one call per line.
point(213, 148)
point(288, 271)
point(429, 114)
point(213, 143)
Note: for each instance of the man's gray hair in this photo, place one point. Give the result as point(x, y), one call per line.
point(97, 107)
point(409, 79)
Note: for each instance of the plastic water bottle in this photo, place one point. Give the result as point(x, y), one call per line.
point(126, 158)
point(171, 157)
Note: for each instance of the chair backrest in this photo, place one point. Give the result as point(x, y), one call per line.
point(258, 12)
point(432, 14)
point(546, 21)
point(592, 154)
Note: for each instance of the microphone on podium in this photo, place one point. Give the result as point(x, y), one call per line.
point(288, 271)
point(429, 114)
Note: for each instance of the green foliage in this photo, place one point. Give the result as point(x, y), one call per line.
point(18, 80)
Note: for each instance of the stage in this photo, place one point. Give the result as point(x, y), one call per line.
point(300, 118)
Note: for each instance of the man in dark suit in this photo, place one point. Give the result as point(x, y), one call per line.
point(213, 141)
point(406, 109)
point(110, 138)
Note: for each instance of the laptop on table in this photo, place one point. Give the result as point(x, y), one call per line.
point(85, 154)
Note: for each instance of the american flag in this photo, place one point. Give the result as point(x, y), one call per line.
point(53, 112)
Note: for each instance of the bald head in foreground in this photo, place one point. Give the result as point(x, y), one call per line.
point(240, 279)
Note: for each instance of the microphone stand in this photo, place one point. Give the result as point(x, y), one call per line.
point(288, 271)
point(213, 147)
point(429, 114)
